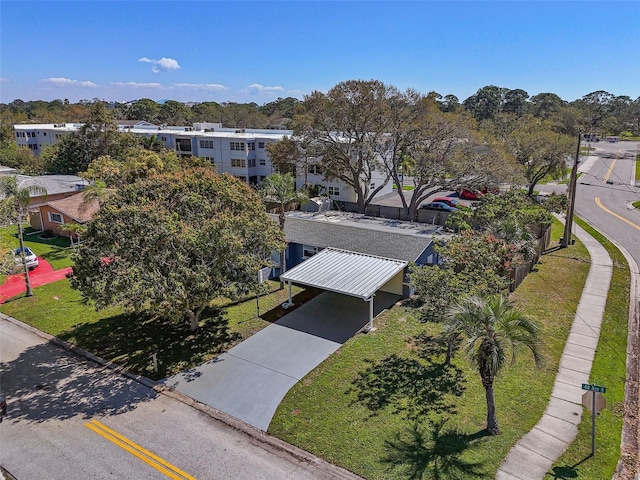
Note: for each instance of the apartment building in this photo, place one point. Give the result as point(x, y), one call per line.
point(238, 152)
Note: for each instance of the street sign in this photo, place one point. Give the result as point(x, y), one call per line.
point(589, 399)
point(593, 388)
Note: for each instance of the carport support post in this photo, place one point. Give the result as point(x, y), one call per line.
point(370, 327)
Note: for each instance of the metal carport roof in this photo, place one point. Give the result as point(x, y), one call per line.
point(341, 271)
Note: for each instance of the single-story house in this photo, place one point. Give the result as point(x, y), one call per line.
point(56, 214)
point(354, 254)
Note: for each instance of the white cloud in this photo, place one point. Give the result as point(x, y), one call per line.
point(200, 86)
point(164, 63)
point(67, 82)
point(138, 84)
point(262, 89)
point(3, 79)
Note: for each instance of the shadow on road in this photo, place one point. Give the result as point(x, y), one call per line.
point(47, 383)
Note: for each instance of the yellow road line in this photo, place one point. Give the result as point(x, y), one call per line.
point(599, 203)
point(138, 451)
point(606, 177)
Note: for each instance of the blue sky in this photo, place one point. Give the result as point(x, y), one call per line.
point(258, 51)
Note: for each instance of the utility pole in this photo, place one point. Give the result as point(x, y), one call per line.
point(566, 239)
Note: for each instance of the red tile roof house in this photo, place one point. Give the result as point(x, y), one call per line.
point(57, 214)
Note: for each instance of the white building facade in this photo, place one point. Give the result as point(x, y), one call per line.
point(238, 152)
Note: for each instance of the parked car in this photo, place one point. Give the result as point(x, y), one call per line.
point(439, 206)
point(452, 202)
point(30, 258)
point(469, 194)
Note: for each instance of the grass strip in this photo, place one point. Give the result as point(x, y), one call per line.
point(609, 370)
point(385, 407)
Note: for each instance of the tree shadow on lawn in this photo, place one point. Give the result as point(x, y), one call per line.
point(129, 341)
point(435, 453)
point(46, 382)
point(414, 387)
point(409, 386)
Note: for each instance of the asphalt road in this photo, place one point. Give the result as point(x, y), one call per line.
point(70, 418)
point(604, 195)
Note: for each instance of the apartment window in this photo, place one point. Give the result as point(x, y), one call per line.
point(33, 146)
point(333, 191)
point(209, 159)
point(238, 162)
point(263, 161)
point(56, 218)
point(206, 143)
point(237, 146)
point(44, 133)
point(260, 144)
point(251, 146)
point(164, 139)
point(252, 162)
point(315, 169)
point(309, 251)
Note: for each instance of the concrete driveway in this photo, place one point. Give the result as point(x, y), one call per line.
point(250, 380)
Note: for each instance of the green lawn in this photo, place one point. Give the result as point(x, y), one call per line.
point(375, 407)
point(609, 370)
point(55, 250)
point(127, 339)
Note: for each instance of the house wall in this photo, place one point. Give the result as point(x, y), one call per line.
point(395, 285)
point(47, 224)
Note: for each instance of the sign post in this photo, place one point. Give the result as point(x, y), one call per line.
point(594, 402)
point(263, 276)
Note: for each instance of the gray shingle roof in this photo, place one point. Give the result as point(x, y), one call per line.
point(383, 238)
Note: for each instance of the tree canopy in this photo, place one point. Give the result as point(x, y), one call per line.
point(171, 243)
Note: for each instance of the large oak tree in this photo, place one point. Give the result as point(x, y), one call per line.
point(172, 243)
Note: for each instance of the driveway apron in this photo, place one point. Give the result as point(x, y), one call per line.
point(250, 380)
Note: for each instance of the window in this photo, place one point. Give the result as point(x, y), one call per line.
point(260, 144)
point(44, 133)
point(238, 162)
point(56, 218)
point(164, 139)
point(251, 146)
point(252, 162)
point(315, 169)
point(206, 143)
point(33, 146)
point(263, 161)
point(237, 146)
point(209, 159)
point(309, 251)
point(333, 191)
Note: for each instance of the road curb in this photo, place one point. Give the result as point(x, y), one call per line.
point(266, 441)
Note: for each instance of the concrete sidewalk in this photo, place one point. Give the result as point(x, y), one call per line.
point(532, 457)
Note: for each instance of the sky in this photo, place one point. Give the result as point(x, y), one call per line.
point(242, 51)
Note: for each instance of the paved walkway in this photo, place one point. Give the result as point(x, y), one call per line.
point(250, 380)
point(531, 458)
point(41, 275)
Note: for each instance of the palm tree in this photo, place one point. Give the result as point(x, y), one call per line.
point(19, 198)
point(281, 189)
point(492, 329)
